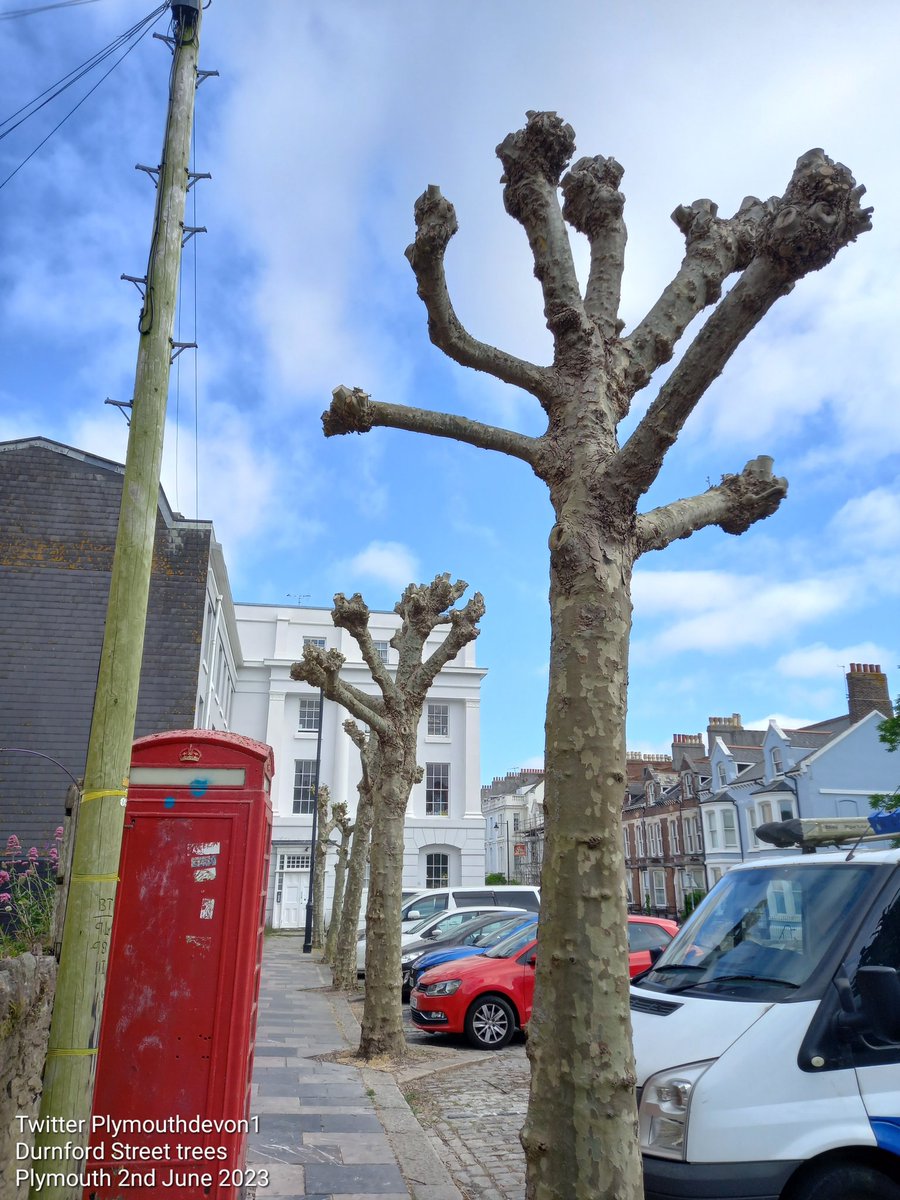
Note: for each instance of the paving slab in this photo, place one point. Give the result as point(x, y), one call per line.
point(328, 1130)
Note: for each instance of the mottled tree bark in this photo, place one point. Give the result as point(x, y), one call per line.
point(580, 1134)
point(389, 768)
point(344, 960)
point(345, 827)
point(324, 826)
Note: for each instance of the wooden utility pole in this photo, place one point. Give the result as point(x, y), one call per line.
point(75, 1029)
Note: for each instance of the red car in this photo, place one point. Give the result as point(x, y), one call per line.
point(489, 996)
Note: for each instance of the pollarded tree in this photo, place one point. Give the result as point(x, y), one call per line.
point(393, 719)
point(345, 828)
point(343, 962)
point(324, 826)
point(580, 1134)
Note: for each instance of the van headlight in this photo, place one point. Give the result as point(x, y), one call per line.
point(665, 1107)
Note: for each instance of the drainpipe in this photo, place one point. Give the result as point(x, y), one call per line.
point(212, 658)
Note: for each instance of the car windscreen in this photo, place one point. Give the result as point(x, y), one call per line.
point(496, 931)
point(510, 946)
point(762, 933)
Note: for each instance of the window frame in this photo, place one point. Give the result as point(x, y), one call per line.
point(437, 789)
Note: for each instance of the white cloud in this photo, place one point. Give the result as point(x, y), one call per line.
point(385, 562)
point(739, 612)
point(782, 719)
point(819, 661)
point(870, 522)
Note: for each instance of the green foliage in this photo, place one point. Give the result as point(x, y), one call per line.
point(691, 900)
point(27, 897)
point(889, 733)
point(497, 878)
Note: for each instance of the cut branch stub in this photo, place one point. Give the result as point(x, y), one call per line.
point(540, 150)
point(352, 614)
point(319, 667)
point(819, 213)
point(591, 199)
point(435, 223)
point(350, 412)
point(756, 494)
point(424, 605)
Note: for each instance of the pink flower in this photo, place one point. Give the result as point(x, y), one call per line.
point(4, 876)
point(33, 854)
point(13, 843)
point(5, 897)
point(53, 855)
point(59, 833)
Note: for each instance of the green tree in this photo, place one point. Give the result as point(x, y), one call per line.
point(889, 733)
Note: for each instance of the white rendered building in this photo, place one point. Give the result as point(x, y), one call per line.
point(444, 825)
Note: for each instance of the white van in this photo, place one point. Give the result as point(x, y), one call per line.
point(437, 900)
point(767, 1034)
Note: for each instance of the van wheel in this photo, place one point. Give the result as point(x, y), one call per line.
point(846, 1181)
point(490, 1023)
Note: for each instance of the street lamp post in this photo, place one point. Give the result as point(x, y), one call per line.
point(307, 936)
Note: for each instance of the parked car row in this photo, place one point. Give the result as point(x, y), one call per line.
point(426, 931)
point(488, 996)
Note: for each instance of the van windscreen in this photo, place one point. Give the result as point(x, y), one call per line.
point(760, 930)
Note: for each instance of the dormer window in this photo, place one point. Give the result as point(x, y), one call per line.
point(722, 774)
point(777, 762)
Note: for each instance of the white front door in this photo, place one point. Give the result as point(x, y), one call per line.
point(291, 890)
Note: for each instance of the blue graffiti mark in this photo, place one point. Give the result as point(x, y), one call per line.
point(169, 802)
point(199, 786)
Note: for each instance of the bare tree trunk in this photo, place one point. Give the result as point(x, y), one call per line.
point(345, 825)
point(343, 967)
point(382, 1021)
point(582, 969)
point(324, 826)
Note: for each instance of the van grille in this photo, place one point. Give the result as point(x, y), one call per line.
point(659, 1008)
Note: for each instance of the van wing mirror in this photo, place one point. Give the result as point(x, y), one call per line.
point(879, 994)
point(415, 915)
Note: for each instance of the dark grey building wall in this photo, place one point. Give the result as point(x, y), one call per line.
point(58, 518)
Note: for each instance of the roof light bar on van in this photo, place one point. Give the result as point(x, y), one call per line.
point(829, 831)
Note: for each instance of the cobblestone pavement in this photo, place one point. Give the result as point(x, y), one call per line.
point(472, 1105)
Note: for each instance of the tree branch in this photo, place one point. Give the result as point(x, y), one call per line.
point(321, 668)
point(352, 411)
point(594, 206)
point(435, 226)
point(715, 248)
point(463, 629)
point(734, 505)
point(533, 161)
point(353, 615)
point(818, 215)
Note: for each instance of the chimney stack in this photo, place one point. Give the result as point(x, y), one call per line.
point(867, 691)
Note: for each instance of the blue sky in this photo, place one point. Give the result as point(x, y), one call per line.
point(327, 121)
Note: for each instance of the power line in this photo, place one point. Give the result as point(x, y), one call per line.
point(75, 74)
point(12, 13)
point(142, 27)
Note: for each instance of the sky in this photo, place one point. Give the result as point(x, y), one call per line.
point(326, 122)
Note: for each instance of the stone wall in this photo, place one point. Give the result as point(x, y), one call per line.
point(26, 1002)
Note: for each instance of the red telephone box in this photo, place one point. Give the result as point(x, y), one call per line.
point(171, 1099)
